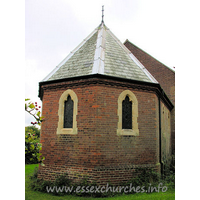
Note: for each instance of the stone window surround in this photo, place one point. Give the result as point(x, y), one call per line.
point(63, 98)
point(134, 131)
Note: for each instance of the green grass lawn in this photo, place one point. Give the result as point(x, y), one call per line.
point(34, 195)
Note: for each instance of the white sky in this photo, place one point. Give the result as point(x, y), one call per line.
point(167, 30)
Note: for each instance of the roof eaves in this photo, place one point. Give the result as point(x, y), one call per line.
point(160, 92)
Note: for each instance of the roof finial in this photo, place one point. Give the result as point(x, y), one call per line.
point(102, 22)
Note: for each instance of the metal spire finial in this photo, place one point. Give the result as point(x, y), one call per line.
point(102, 22)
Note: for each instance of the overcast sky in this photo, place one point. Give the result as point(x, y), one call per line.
point(167, 30)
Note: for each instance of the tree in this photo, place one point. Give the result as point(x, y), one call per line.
point(33, 109)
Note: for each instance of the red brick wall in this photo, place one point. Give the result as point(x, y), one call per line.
point(97, 150)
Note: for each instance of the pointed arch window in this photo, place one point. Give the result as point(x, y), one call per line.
point(127, 114)
point(67, 112)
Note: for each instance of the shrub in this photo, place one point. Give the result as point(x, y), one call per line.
point(169, 172)
point(33, 130)
point(38, 184)
point(145, 177)
point(32, 146)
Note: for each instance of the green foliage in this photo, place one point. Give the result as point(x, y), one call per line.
point(144, 177)
point(37, 184)
point(40, 184)
point(33, 130)
point(169, 171)
point(32, 146)
point(32, 135)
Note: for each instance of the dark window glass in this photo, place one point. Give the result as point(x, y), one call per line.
point(68, 113)
point(126, 113)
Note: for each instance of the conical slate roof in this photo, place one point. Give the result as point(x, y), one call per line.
point(101, 53)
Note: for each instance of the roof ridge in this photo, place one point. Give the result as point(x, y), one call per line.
point(99, 56)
